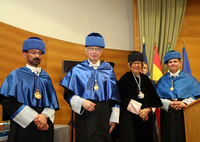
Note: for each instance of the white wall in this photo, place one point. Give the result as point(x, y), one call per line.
point(73, 20)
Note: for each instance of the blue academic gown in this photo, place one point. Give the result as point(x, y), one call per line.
point(172, 122)
point(18, 89)
point(92, 126)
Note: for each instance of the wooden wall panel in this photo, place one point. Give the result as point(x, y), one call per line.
point(190, 33)
point(11, 40)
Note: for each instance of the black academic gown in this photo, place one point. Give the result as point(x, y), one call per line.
point(172, 125)
point(172, 121)
point(17, 90)
point(92, 126)
point(31, 133)
point(132, 127)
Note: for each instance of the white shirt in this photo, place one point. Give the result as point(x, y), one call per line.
point(95, 66)
point(175, 74)
point(37, 70)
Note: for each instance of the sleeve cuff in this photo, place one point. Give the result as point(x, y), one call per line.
point(76, 104)
point(50, 113)
point(115, 114)
point(153, 109)
point(24, 116)
point(165, 103)
point(188, 100)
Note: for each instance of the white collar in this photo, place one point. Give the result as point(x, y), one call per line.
point(175, 74)
point(34, 69)
point(95, 66)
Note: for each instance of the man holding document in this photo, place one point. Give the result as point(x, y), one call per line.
point(138, 103)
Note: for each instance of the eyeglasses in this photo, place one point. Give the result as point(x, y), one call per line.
point(97, 49)
point(136, 63)
point(35, 53)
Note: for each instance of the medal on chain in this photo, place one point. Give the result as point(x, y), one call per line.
point(37, 94)
point(140, 95)
point(96, 87)
point(172, 88)
point(37, 86)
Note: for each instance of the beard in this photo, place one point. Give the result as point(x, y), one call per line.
point(35, 62)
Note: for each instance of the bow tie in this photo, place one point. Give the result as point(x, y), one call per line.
point(174, 76)
point(95, 66)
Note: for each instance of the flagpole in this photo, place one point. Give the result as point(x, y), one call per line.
point(143, 41)
point(157, 74)
point(183, 43)
point(169, 43)
point(169, 46)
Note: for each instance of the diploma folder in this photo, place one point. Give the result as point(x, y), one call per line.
point(134, 106)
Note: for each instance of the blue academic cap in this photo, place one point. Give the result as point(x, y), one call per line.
point(94, 39)
point(171, 55)
point(33, 43)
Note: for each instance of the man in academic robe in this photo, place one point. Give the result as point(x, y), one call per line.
point(28, 98)
point(91, 90)
point(176, 90)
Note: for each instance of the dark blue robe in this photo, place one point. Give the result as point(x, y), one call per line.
point(81, 80)
point(18, 89)
point(172, 122)
point(92, 126)
point(21, 84)
point(185, 86)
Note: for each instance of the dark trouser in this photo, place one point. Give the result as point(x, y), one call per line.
point(94, 126)
point(172, 126)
